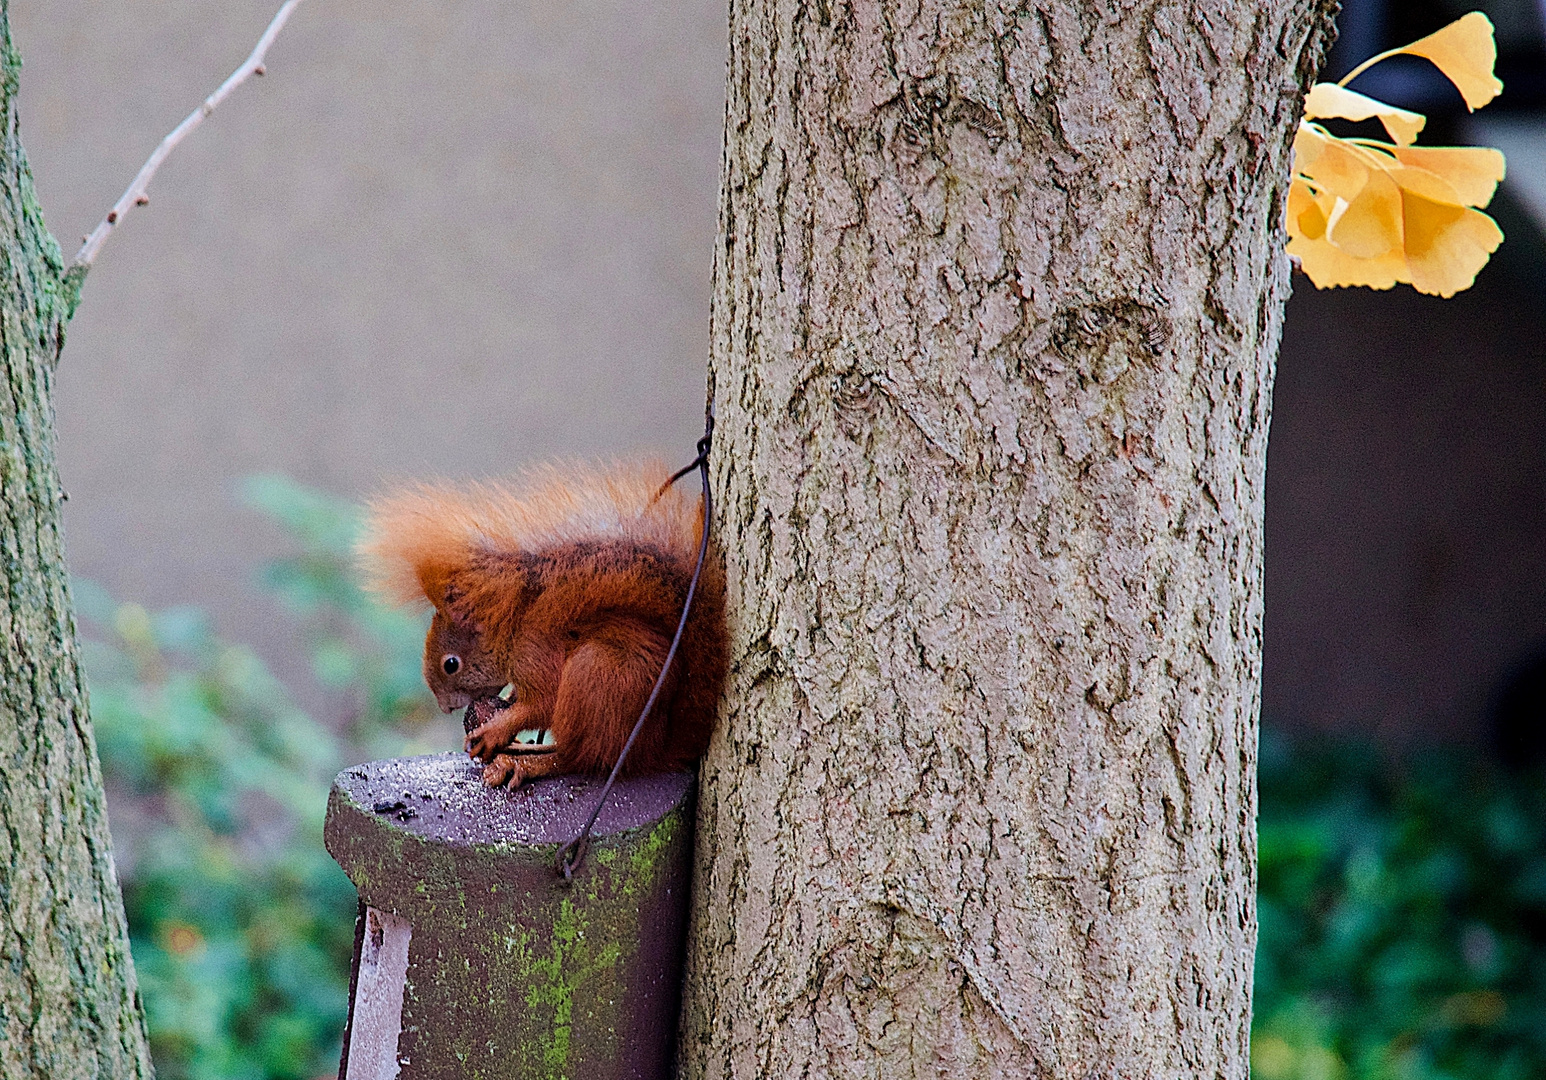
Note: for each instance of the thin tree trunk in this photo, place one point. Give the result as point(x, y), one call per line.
point(995, 314)
point(68, 1005)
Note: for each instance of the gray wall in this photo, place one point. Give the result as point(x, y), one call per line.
point(437, 239)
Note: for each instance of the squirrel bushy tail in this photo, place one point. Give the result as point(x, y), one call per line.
point(423, 532)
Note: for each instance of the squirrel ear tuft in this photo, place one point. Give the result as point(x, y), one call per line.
point(435, 580)
point(441, 588)
point(454, 609)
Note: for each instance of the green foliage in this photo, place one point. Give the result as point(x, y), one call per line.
point(1403, 918)
point(240, 922)
point(358, 647)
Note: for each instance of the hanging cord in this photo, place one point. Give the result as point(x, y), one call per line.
point(573, 853)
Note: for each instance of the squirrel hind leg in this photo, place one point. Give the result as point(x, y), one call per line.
point(512, 770)
point(603, 688)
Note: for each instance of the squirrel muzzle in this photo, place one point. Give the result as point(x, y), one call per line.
point(451, 700)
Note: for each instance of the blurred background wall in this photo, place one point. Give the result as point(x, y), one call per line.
point(449, 238)
point(440, 238)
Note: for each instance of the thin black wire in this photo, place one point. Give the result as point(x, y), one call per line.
point(573, 853)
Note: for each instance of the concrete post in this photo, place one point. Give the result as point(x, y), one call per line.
point(473, 958)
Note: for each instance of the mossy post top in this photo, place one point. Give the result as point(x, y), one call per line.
point(510, 971)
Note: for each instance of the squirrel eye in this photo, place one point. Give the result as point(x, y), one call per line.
point(451, 664)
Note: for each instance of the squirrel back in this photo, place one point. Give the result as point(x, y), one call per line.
point(565, 588)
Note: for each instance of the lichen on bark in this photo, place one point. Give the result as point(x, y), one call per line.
point(68, 1004)
point(995, 311)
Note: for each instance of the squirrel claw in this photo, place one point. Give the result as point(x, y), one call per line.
point(504, 770)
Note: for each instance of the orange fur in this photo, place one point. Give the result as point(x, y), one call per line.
point(567, 585)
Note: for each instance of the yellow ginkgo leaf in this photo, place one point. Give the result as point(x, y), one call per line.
point(1309, 142)
point(1465, 52)
point(1365, 212)
point(1473, 171)
point(1336, 166)
point(1428, 185)
point(1306, 215)
point(1369, 225)
point(1328, 101)
point(1446, 246)
point(1328, 266)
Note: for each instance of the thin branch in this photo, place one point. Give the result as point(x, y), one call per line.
point(137, 193)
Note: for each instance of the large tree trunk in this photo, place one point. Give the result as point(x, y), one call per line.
point(68, 1007)
point(995, 314)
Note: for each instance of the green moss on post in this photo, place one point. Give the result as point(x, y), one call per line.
point(511, 972)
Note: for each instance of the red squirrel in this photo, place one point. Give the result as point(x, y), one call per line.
point(555, 601)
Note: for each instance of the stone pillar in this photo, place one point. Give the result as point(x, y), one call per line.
point(474, 959)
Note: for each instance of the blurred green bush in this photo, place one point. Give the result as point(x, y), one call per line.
point(1403, 917)
point(1403, 904)
point(240, 922)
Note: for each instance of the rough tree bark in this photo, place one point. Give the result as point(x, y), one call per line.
point(994, 322)
point(68, 1004)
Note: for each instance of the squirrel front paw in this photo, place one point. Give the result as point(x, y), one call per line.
point(489, 741)
point(500, 726)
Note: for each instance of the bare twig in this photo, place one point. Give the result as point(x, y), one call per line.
point(137, 193)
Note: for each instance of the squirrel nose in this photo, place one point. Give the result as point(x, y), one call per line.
point(451, 700)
